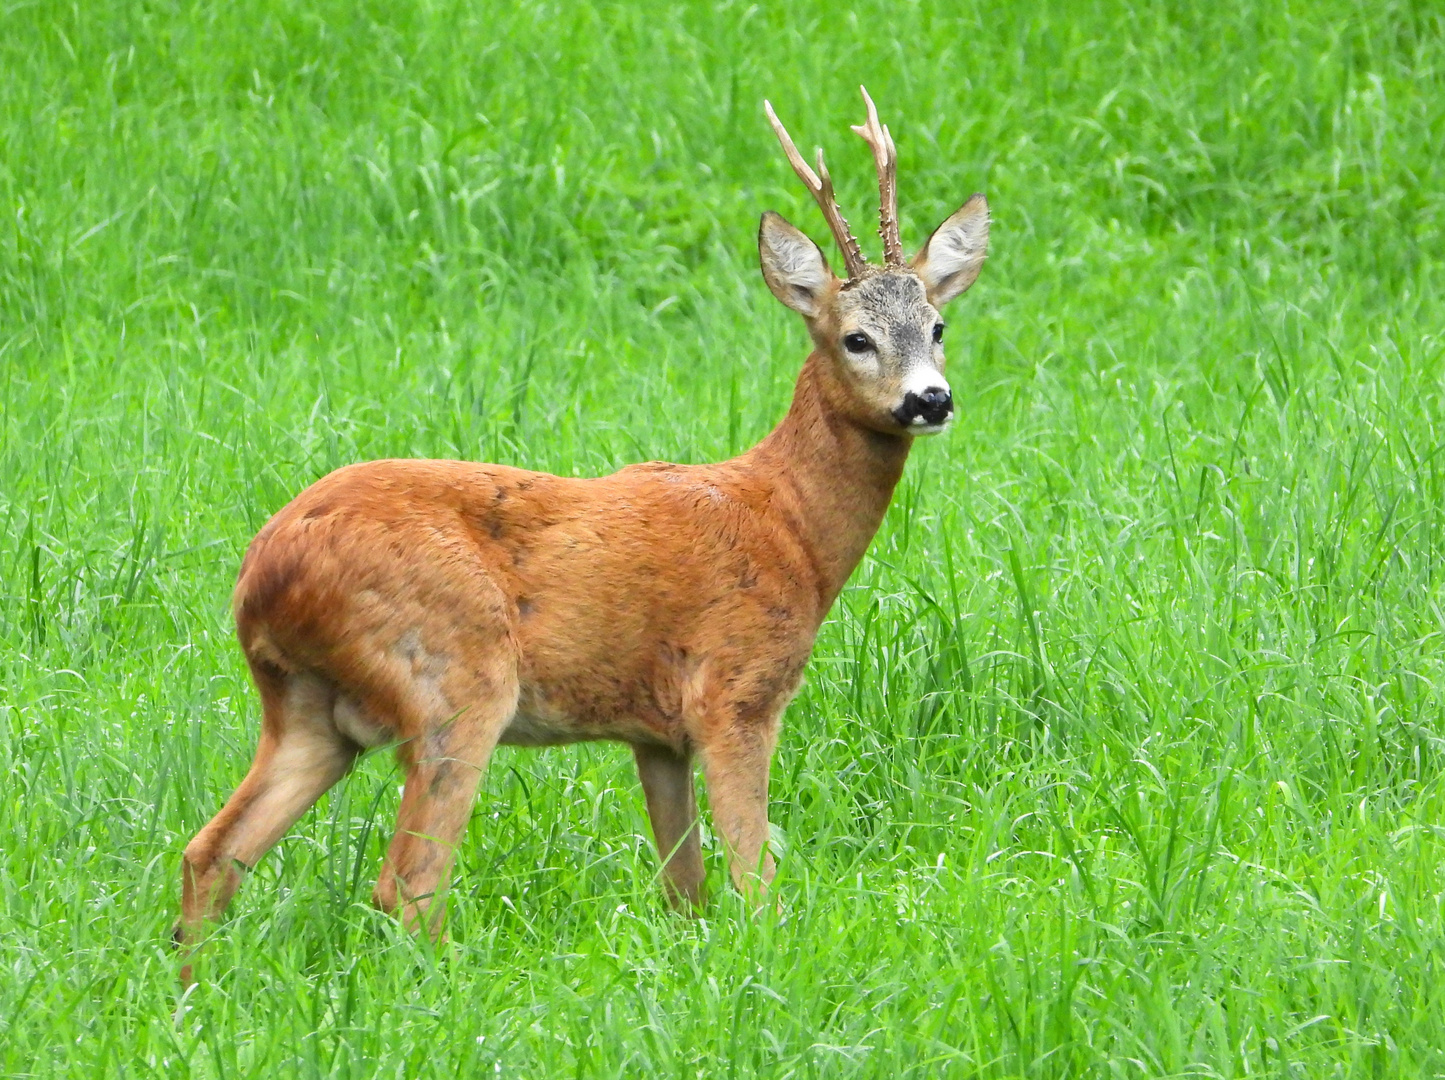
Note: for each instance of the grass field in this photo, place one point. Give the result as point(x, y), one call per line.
point(1120, 757)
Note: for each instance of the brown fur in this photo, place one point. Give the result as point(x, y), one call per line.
point(448, 606)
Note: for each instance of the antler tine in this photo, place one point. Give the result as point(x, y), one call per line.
point(885, 158)
point(852, 253)
point(822, 191)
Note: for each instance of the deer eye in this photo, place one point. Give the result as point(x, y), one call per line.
point(937, 332)
point(856, 342)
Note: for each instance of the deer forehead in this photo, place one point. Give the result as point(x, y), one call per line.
point(889, 303)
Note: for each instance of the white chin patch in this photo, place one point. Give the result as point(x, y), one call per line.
point(920, 427)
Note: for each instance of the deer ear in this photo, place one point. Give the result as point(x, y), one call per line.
point(949, 263)
point(793, 266)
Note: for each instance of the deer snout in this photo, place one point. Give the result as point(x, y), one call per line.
point(929, 407)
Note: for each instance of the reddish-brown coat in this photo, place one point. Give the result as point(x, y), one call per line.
point(627, 600)
point(447, 606)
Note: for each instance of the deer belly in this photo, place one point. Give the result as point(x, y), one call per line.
point(530, 729)
point(548, 715)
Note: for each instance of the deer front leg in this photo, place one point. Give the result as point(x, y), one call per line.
point(735, 762)
point(672, 807)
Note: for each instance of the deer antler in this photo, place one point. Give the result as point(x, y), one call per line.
point(822, 189)
point(885, 158)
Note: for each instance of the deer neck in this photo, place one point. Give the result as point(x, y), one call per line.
point(832, 478)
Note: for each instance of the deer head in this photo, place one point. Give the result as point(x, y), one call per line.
point(879, 331)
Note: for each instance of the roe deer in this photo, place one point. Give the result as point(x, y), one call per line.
point(447, 606)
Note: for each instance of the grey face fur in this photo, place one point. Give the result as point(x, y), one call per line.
point(878, 329)
point(901, 364)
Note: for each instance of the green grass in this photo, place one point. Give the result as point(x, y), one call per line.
point(1120, 757)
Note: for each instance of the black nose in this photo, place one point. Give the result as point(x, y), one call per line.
point(933, 407)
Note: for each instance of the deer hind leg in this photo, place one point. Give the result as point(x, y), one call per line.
point(300, 756)
point(672, 807)
point(466, 715)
